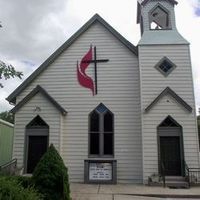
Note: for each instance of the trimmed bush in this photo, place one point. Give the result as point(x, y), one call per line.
point(50, 176)
point(11, 189)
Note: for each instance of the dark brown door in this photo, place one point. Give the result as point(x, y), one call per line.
point(170, 155)
point(37, 146)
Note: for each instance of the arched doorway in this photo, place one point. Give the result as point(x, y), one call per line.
point(36, 142)
point(170, 147)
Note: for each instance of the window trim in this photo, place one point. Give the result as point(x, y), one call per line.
point(157, 66)
point(101, 134)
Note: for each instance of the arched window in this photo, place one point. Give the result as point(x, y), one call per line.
point(101, 132)
point(169, 122)
point(159, 18)
point(37, 122)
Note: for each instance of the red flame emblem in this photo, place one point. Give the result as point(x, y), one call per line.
point(83, 79)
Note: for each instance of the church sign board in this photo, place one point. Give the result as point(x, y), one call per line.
point(100, 171)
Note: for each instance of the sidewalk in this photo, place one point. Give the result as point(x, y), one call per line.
point(129, 192)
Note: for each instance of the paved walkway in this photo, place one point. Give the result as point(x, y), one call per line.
point(130, 192)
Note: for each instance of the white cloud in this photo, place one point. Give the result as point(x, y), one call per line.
point(119, 14)
point(188, 26)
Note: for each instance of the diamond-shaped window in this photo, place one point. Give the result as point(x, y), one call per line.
point(165, 66)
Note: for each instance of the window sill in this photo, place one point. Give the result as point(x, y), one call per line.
point(100, 157)
point(164, 29)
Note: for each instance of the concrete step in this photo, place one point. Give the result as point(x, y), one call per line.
point(177, 184)
point(175, 178)
point(173, 182)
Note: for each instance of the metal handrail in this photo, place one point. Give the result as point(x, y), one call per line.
point(193, 175)
point(187, 173)
point(8, 163)
point(9, 167)
point(193, 168)
point(163, 174)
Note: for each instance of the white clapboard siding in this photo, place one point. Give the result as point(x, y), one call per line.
point(152, 84)
point(26, 114)
point(118, 89)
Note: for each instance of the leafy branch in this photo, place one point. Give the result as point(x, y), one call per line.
point(7, 71)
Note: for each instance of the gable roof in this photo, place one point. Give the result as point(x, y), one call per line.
point(169, 91)
point(96, 18)
point(37, 89)
point(141, 3)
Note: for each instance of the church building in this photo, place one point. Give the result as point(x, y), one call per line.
point(116, 113)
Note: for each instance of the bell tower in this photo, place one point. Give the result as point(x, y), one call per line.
point(166, 85)
point(157, 22)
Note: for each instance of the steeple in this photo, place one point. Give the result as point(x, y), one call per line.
point(166, 87)
point(157, 22)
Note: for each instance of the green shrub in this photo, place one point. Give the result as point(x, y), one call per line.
point(24, 181)
point(10, 189)
point(50, 176)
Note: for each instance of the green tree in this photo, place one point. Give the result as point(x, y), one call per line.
point(7, 71)
point(7, 116)
point(50, 176)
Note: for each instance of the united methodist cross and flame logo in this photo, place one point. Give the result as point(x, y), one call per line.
point(84, 79)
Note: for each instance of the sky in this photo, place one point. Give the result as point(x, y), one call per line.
point(33, 29)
